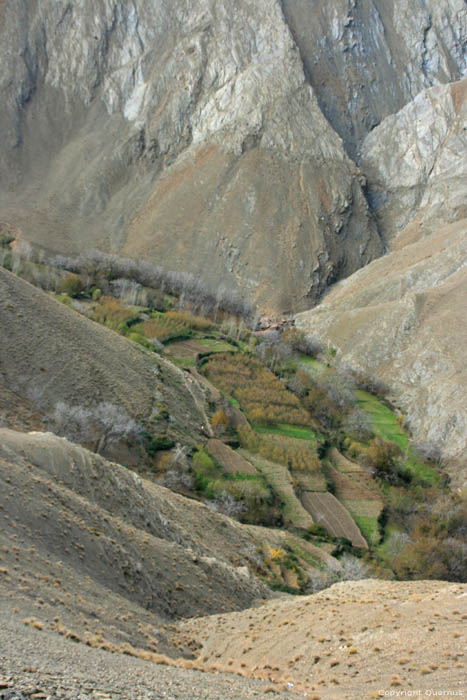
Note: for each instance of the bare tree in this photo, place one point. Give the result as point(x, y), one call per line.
point(103, 425)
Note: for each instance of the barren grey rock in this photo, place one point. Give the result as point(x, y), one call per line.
point(402, 317)
point(178, 134)
point(367, 59)
point(416, 160)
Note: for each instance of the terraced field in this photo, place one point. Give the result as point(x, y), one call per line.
point(310, 481)
point(326, 510)
point(230, 460)
point(386, 426)
point(185, 348)
point(364, 504)
point(280, 480)
point(342, 463)
point(292, 431)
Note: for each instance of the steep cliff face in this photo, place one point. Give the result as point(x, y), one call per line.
point(368, 58)
point(180, 134)
point(403, 316)
point(186, 133)
point(416, 161)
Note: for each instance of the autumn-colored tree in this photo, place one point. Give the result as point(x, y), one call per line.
point(71, 285)
point(220, 422)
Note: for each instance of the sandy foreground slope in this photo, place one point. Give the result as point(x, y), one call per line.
point(354, 640)
point(101, 571)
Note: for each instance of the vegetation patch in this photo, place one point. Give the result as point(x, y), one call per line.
point(162, 328)
point(293, 431)
point(265, 399)
point(369, 528)
point(388, 426)
point(216, 345)
point(310, 481)
point(112, 313)
point(368, 509)
point(245, 496)
point(300, 455)
point(280, 480)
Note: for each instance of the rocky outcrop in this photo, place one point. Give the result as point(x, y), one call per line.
point(416, 161)
point(402, 317)
point(179, 135)
point(367, 59)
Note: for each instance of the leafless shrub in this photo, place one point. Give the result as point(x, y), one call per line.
point(358, 425)
point(128, 291)
point(175, 479)
point(352, 569)
point(176, 466)
point(427, 451)
point(228, 505)
point(103, 425)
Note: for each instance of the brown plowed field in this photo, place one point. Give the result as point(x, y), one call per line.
point(231, 461)
point(326, 510)
point(347, 487)
point(185, 348)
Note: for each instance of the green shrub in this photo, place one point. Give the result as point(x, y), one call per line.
point(141, 340)
point(205, 466)
point(157, 443)
point(317, 530)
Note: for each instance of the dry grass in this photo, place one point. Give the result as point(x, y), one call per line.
point(198, 323)
point(33, 622)
point(161, 328)
point(111, 312)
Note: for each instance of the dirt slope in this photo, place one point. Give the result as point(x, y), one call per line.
point(82, 534)
point(49, 353)
point(355, 640)
point(402, 319)
point(49, 666)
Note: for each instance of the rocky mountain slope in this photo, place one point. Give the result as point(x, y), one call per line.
point(366, 59)
point(402, 317)
point(131, 127)
point(415, 162)
point(182, 134)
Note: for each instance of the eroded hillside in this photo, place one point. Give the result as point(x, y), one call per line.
point(51, 354)
point(402, 317)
